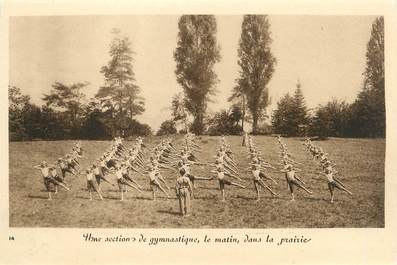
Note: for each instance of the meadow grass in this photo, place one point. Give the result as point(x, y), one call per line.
point(360, 162)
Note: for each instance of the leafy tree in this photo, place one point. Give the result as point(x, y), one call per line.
point(29, 122)
point(94, 126)
point(137, 128)
point(225, 123)
point(69, 99)
point(53, 125)
point(17, 104)
point(299, 113)
point(16, 99)
point(196, 54)
point(179, 112)
point(256, 66)
point(33, 123)
point(340, 113)
point(120, 94)
point(236, 114)
point(291, 117)
point(331, 119)
point(283, 115)
point(368, 111)
point(239, 101)
point(167, 127)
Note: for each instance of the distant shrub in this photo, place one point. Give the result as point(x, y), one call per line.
point(182, 131)
point(265, 129)
point(167, 127)
point(224, 123)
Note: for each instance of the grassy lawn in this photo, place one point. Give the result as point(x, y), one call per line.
point(361, 162)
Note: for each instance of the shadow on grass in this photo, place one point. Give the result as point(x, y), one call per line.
point(209, 188)
point(169, 212)
point(244, 197)
point(111, 198)
point(143, 198)
point(315, 199)
point(204, 198)
point(52, 190)
point(37, 197)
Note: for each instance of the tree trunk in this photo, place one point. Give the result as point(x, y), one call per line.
point(254, 123)
point(242, 121)
point(186, 127)
point(198, 124)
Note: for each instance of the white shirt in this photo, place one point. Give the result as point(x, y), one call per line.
point(152, 175)
point(255, 174)
point(329, 177)
point(221, 175)
point(45, 171)
point(54, 172)
point(290, 175)
point(119, 174)
point(90, 176)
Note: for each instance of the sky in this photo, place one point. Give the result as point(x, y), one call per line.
point(325, 53)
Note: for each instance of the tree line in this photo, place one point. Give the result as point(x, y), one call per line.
point(365, 117)
point(68, 114)
point(249, 99)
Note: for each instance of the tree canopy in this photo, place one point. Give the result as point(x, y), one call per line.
point(196, 53)
point(120, 94)
point(257, 65)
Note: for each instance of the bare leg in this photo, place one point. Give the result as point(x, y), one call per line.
point(187, 203)
point(181, 205)
point(343, 188)
point(67, 188)
point(132, 186)
point(268, 188)
point(331, 190)
point(291, 188)
point(133, 181)
point(49, 196)
point(106, 180)
point(303, 187)
point(238, 185)
point(57, 183)
point(100, 195)
point(165, 183)
point(223, 195)
point(257, 191)
point(163, 190)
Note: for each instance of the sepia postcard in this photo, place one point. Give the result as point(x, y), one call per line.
point(227, 132)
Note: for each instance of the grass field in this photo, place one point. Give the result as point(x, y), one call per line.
point(361, 162)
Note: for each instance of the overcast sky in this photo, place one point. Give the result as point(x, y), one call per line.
point(326, 53)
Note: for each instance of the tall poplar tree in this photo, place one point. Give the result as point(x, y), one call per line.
point(369, 115)
point(196, 54)
point(257, 65)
